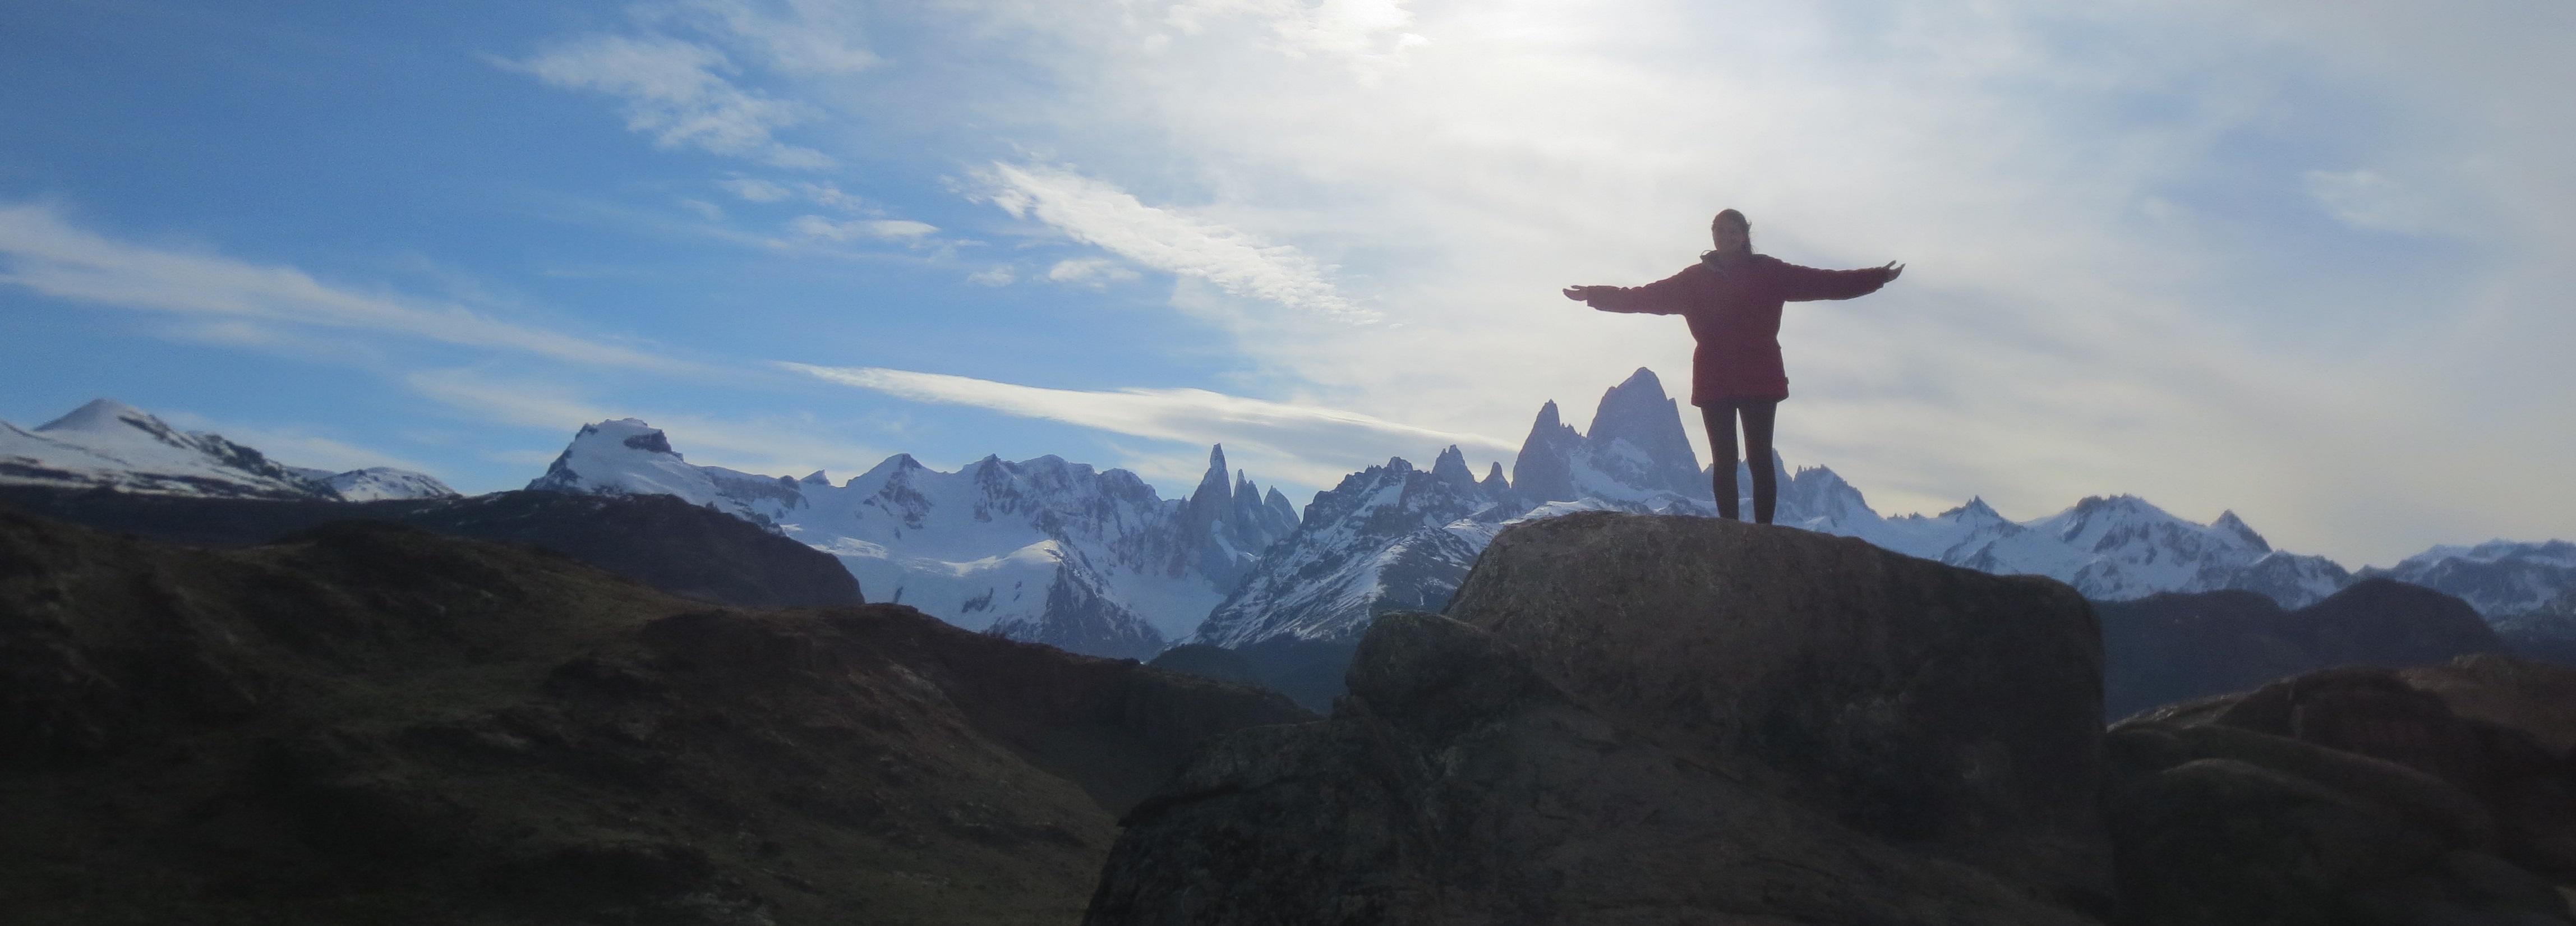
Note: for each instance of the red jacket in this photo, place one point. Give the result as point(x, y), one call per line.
point(1735, 315)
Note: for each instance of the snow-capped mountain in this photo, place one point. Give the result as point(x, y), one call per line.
point(1636, 456)
point(1387, 538)
point(629, 457)
point(2110, 549)
point(382, 483)
point(2501, 578)
point(1093, 561)
point(1041, 550)
point(109, 444)
point(1395, 537)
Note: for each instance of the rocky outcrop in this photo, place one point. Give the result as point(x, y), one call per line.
point(371, 723)
point(2350, 795)
point(2173, 647)
point(1645, 718)
point(1938, 708)
point(1463, 787)
point(2534, 697)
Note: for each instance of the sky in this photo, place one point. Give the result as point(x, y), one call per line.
point(2305, 261)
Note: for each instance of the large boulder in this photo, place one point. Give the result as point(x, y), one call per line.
point(1455, 784)
point(1940, 709)
point(1634, 718)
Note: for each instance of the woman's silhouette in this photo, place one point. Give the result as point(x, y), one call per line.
point(1732, 300)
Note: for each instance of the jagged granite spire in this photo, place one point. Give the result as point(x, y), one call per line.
point(1281, 508)
point(1544, 471)
point(1451, 467)
point(1658, 455)
point(1223, 526)
point(1213, 493)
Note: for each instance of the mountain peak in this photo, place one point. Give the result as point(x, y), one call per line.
point(1543, 471)
point(100, 415)
point(631, 432)
point(1213, 482)
point(1639, 413)
point(1452, 467)
point(109, 443)
point(1643, 378)
point(2228, 522)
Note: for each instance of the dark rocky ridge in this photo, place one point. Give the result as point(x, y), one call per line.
point(658, 540)
point(372, 723)
point(1207, 661)
point(2174, 647)
point(2352, 795)
point(1645, 719)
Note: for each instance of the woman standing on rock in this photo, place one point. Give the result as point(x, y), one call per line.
point(1732, 300)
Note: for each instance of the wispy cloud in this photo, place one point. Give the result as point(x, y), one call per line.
point(818, 227)
point(755, 190)
point(813, 37)
point(42, 252)
point(1088, 270)
point(673, 90)
point(1368, 35)
point(2368, 199)
point(1328, 441)
point(1101, 214)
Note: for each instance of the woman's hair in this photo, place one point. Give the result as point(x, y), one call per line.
point(1731, 215)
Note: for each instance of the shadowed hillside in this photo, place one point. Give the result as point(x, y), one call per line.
point(371, 723)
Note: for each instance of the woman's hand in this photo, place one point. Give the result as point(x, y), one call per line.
point(1894, 270)
point(1583, 293)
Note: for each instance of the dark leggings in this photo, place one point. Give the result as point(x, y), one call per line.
point(1720, 419)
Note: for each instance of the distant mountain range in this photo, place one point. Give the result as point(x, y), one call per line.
point(112, 445)
point(1095, 561)
point(1040, 550)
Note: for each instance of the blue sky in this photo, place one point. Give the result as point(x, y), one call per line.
point(2305, 261)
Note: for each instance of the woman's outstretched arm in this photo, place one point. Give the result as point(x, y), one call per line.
point(1667, 296)
point(1804, 284)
